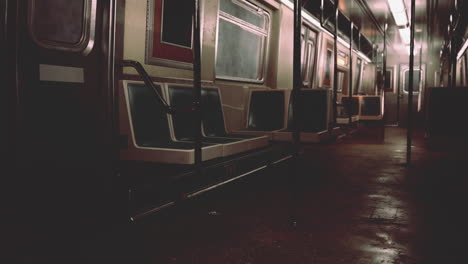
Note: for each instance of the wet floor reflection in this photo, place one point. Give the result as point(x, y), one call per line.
point(355, 205)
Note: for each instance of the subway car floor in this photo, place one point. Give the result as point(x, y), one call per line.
point(355, 201)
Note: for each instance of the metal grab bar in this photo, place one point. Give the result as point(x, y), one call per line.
point(148, 82)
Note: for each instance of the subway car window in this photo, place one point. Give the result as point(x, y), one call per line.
point(416, 78)
point(357, 83)
point(177, 23)
point(61, 25)
point(243, 30)
point(341, 76)
point(169, 33)
point(308, 55)
point(328, 65)
point(342, 59)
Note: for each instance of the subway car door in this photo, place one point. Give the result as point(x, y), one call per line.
point(63, 147)
point(418, 86)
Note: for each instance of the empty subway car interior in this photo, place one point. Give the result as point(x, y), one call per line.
point(234, 131)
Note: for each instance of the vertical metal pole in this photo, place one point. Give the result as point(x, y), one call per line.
point(297, 79)
point(450, 65)
point(335, 72)
point(384, 77)
point(295, 93)
point(197, 83)
point(350, 81)
point(384, 59)
point(410, 91)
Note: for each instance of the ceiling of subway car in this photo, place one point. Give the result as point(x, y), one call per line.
point(370, 16)
point(431, 21)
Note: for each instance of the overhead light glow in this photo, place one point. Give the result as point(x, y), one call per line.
point(400, 19)
point(398, 10)
point(408, 49)
point(405, 35)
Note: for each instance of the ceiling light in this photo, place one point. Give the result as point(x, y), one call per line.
point(405, 35)
point(398, 10)
point(400, 19)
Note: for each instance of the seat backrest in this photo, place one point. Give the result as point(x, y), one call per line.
point(266, 110)
point(314, 107)
point(370, 106)
point(313, 110)
point(213, 118)
point(447, 111)
point(354, 102)
point(149, 120)
point(183, 122)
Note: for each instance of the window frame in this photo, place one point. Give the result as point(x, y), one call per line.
point(329, 47)
point(244, 25)
point(344, 57)
point(87, 39)
point(421, 74)
point(309, 70)
point(157, 51)
point(422, 85)
point(358, 79)
point(342, 74)
point(390, 89)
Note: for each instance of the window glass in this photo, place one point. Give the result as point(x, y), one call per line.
point(239, 53)
point(241, 43)
point(170, 33)
point(310, 61)
point(240, 10)
point(341, 76)
point(63, 25)
point(357, 84)
point(58, 20)
point(342, 59)
point(416, 77)
point(303, 57)
point(308, 55)
point(328, 65)
point(177, 22)
point(388, 81)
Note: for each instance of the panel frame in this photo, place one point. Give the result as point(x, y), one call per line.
point(87, 40)
point(186, 63)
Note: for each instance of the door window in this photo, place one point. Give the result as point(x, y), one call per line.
point(63, 25)
point(416, 81)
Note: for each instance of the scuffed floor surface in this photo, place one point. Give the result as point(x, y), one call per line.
point(354, 202)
